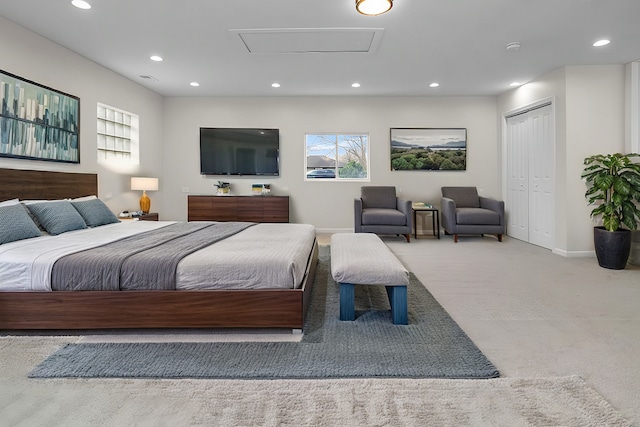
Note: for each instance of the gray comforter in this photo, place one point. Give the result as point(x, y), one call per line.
point(145, 261)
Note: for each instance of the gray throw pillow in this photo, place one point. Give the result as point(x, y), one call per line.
point(95, 212)
point(57, 217)
point(15, 224)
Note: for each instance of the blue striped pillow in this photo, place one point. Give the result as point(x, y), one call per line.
point(95, 212)
point(16, 224)
point(57, 217)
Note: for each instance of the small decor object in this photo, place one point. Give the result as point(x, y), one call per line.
point(414, 149)
point(261, 189)
point(144, 184)
point(37, 122)
point(422, 205)
point(224, 188)
point(613, 185)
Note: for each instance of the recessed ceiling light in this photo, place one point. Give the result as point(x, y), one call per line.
point(81, 4)
point(434, 84)
point(156, 58)
point(602, 42)
point(275, 84)
point(514, 84)
point(355, 84)
point(194, 84)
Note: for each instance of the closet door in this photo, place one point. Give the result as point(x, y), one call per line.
point(530, 176)
point(517, 204)
point(541, 178)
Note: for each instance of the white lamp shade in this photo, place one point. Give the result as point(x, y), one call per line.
point(144, 184)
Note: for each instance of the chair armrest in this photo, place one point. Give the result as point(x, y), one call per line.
point(404, 206)
point(448, 214)
point(494, 205)
point(357, 215)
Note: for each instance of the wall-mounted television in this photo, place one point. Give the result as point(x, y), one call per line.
point(239, 151)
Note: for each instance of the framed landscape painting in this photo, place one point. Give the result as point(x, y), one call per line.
point(37, 122)
point(428, 149)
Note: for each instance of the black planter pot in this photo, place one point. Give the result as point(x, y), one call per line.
point(612, 247)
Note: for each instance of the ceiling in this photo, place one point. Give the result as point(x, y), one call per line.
point(321, 47)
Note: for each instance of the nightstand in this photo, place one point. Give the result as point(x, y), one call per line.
point(151, 216)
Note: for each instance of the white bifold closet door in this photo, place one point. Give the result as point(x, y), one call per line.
point(530, 176)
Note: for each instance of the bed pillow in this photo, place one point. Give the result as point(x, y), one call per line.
point(15, 224)
point(83, 198)
point(10, 202)
point(95, 212)
point(57, 217)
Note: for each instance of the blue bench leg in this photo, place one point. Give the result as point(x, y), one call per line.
point(347, 301)
point(398, 301)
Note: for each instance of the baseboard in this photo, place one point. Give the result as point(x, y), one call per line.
point(574, 254)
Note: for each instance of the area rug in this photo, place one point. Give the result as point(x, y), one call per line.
point(432, 345)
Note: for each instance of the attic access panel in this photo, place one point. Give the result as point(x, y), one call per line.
point(310, 40)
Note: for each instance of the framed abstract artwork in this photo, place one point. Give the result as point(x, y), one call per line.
point(428, 149)
point(38, 122)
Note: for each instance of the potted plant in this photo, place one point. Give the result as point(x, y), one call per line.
point(223, 187)
point(613, 185)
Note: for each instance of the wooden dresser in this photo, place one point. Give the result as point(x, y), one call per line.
point(238, 208)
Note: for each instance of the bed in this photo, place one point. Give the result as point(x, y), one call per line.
point(208, 304)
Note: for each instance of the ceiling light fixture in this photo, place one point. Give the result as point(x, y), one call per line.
point(434, 84)
point(81, 4)
point(194, 84)
point(514, 84)
point(355, 84)
point(513, 46)
point(275, 84)
point(373, 7)
point(601, 43)
point(156, 58)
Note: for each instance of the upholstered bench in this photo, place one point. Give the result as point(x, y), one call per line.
point(364, 259)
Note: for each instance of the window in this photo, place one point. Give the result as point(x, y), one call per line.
point(337, 157)
point(117, 135)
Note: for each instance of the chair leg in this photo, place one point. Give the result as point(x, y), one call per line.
point(499, 237)
point(408, 237)
point(455, 238)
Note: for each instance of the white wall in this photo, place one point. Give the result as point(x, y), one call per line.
point(327, 205)
point(35, 58)
point(589, 105)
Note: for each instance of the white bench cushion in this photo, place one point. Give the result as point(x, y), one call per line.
point(364, 259)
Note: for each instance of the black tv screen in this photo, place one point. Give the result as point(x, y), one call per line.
point(235, 151)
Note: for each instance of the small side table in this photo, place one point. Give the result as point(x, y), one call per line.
point(435, 218)
point(151, 216)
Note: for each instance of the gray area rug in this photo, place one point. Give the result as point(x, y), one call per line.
point(431, 346)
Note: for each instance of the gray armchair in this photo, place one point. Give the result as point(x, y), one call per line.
point(379, 211)
point(464, 212)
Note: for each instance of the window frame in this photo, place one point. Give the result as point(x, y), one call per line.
point(122, 127)
point(339, 137)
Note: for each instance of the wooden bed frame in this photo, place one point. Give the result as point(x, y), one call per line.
point(260, 308)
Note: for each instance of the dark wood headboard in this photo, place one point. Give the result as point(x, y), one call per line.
point(45, 185)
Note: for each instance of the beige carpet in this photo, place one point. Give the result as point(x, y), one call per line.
point(563, 401)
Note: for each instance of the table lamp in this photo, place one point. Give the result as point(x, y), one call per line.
point(144, 184)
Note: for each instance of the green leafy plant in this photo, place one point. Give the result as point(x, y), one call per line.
point(222, 184)
point(613, 184)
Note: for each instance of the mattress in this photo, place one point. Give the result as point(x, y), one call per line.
point(262, 256)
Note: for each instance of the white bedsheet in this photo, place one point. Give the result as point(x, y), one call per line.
point(262, 256)
point(26, 265)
